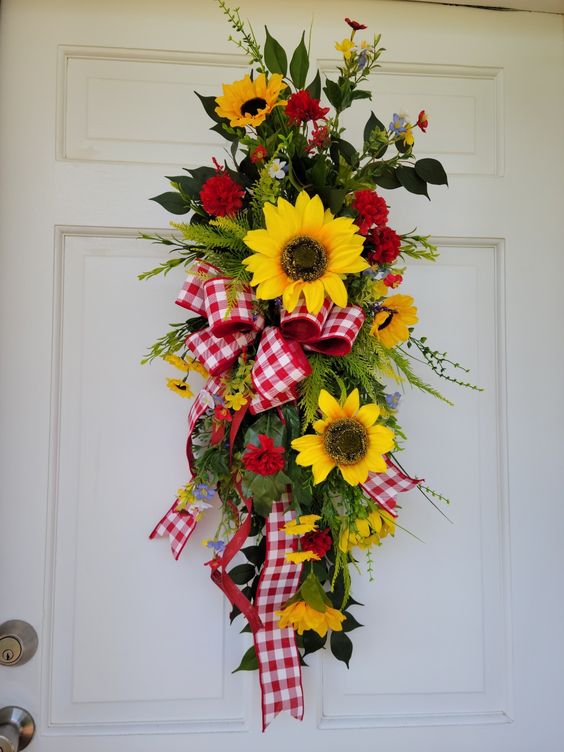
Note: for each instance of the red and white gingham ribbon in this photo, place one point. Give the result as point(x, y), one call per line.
point(280, 674)
point(384, 487)
point(332, 331)
point(179, 526)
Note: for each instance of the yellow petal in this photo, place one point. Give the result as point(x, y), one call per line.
point(314, 295)
point(368, 415)
point(322, 468)
point(329, 405)
point(335, 288)
point(351, 404)
point(291, 295)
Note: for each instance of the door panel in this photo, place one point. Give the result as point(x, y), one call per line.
point(463, 626)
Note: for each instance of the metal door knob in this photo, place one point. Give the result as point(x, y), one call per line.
point(18, 642)
point(17, 728)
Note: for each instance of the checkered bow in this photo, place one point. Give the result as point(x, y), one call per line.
point(332, 331)
point(280, 363)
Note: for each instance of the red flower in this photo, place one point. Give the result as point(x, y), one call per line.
point(222, 413)
point(393, 280)
point(319, 138)
point(386, 243)
point(319, 542)
point(372, 210)
point(355, 24)
point(423, 121)
point(266, 459)
point(221, 196)
point(258, 154)
point(302, 107)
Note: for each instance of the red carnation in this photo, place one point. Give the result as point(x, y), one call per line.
point(320, 138)
point(355, 24)
point(386, 244)
point(258, 154)
point(302, 107)
point(221, 196)
point(319, 542)
point(372, 210)
point(266, 459)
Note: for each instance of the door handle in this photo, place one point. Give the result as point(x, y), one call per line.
point(17, 728)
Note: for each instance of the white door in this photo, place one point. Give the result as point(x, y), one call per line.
point(462, 648)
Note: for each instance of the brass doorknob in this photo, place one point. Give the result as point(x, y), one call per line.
point(17, 728)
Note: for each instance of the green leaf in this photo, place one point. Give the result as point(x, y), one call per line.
point(361, 94)
point(350, 622)
point(249, 662)
point(411, 180)
point(229, 135)
point(242, 573)
point(299, 64)
point(341, 647)
point(274, 55)
point(388, 180)
point(312, 642)
point(349, 153)
point(313, 594)
point(431, 171)
point(333, 198)
point(333, 93)
point(172, 202)
point(372, 124)
point(209, 104)
point(314, 87)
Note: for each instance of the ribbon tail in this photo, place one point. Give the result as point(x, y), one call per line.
point(280, 673)
point(179, 526)
point(383, 488)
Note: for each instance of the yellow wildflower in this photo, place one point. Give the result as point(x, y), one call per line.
point(367, 531)
point(235, 401)
point(392, 322)
point(345, 47)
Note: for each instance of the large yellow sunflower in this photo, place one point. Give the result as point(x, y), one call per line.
point(303, 249)
point(346, 438)
point(248, 102)
point(391, 323)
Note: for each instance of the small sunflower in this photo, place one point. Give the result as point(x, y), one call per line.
point(347, 438)
point(303, 249)
point(391, 323)
point(180, 387)
point(248, 102)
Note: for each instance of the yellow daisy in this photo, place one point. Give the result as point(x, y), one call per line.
point(235, 401)
point(347, 438)
point(179, 387)
point(301, 616)
point(248, 102)
point(367, 531)
point(298, 557)
point(392, 321)
point(303, 249)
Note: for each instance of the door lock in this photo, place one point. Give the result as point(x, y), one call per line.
point(17, 728)
point(18, 643)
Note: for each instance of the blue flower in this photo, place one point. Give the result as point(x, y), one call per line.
point(392, 400)
point(398, 124)
point(217, 546)
point(203, 492)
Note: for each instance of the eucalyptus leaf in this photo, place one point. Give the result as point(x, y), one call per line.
point(249, 662)
point(299, 64)
point(173, 202)
point(333, 93)
point(275, 55)
point(341, 647)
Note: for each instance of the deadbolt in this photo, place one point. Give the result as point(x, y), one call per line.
point(17, 728)
point(18, 643)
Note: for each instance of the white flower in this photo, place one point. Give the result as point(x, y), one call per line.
point(276, 169)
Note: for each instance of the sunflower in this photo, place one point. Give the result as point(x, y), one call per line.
point(248, 102)
point(391, 323)
point(366, 531)
point(180, 387)
point(303, 249)
point(346, 438)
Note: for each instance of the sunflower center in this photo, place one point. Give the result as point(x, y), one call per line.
point(345, 441)
point(304, 258)
point(388, 320)
point(252, 106)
